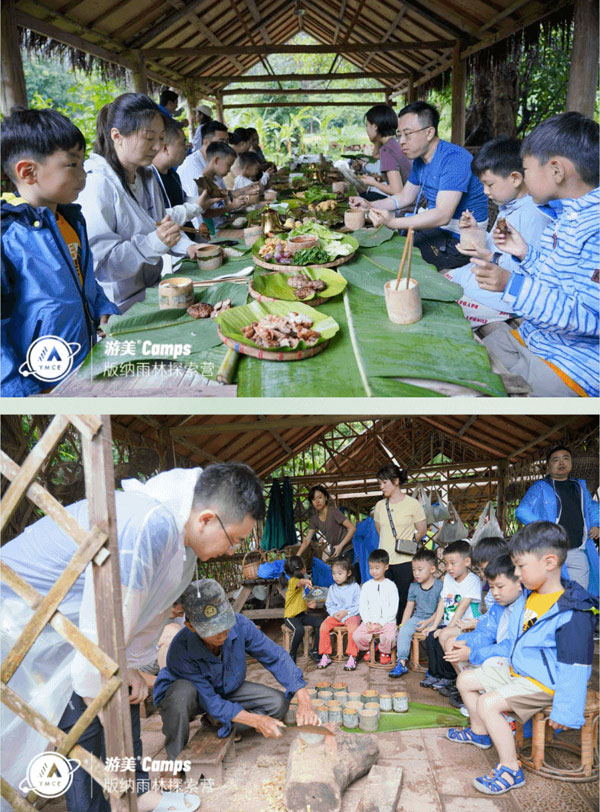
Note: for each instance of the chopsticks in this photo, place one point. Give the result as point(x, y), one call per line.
point(187, 229)
point(408, 247)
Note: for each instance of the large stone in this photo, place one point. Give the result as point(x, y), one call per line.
point(382, 792)
point(318, 774)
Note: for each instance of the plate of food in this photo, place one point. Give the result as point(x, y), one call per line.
point(333, 249)
point(313, 285)
point(276, 331)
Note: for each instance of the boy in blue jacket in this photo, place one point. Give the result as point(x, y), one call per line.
point(562, 499)
point(551, 648)
point(52, 305)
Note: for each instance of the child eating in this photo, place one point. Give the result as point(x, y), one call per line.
point(378, 605)
point(342, 607)
point(295, 614)
point(423, 597)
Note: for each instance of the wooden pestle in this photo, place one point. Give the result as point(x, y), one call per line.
point(408, 245)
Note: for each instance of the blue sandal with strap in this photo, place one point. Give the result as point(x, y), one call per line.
point(465, 735)
point(496, 784)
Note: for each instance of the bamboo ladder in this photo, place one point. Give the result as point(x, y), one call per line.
point(99, 546)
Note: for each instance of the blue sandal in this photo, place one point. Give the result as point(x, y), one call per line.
point(496, 784)
point(464, 735)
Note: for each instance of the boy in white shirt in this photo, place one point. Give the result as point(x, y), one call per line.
point(378, 605)
point(248, 170)
point(460, 598)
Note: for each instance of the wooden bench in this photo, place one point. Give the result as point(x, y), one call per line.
point(340, 633)
point(414, 662)
point(207, 752)
point(533, 755)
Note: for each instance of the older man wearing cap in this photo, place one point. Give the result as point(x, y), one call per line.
point(163, 526)
point(206, 672)
point(203, 116)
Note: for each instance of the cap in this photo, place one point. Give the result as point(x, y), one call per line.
point(204, 108)
point(206, 608)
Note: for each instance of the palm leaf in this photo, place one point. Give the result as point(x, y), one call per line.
point(276, 285)
point(369, 238)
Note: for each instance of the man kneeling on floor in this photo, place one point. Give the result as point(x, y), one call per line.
point(206, 673)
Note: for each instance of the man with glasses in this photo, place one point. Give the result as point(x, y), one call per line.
point(164, 527)
point(206, 673)
point(441, 171)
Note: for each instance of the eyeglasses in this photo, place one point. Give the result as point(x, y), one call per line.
point(406, 134)
point(233, 546)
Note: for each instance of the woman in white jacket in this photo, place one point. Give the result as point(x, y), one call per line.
point(129, 229)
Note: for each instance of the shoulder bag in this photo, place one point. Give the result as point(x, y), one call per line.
point(408, 547)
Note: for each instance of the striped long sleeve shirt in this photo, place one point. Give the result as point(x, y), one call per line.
point(557, 294)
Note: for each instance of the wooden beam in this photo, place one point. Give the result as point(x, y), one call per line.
point(240, 426)
point(170, 19)
point(515, 6)
point(300, 103)
point(540, 439)
point(389, 32)
point(459, 92)
point(256, 50)
point(138, 70)
point(583, 73)
point(302, 77)
point(14, 91)
point(266, 91)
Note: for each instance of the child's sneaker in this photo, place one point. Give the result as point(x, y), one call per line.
point(442, 683)
point(324, 661)
point(385, 659)
point(367, 656)
point(351, 664)
point(429, 681)
point(398, 671)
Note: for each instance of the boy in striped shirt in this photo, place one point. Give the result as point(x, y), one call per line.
point(556, 347)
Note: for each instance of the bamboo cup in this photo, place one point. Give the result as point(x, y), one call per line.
point(403, 297)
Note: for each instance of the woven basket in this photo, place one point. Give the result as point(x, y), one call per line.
point(250, 564)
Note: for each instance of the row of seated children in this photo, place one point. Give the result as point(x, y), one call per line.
point(533, 649)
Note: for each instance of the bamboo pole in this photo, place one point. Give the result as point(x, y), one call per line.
point(305, 91)
point(301, 103)
point(342, 47)
point(301, 77)
point(459, 91)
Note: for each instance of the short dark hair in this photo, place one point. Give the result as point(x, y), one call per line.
point(539, 537)
point(220, 149)
point(555, 449)
point(212, 127)
point(428, 115)
point(568, 135)
point(293, 567)
point(322, 489)
point(501, 156)
point(487, 549)
point(233, 488)
point(252, 131)
point(343, 562)
point(501, 565)
point(173, 129)
point(379, 556)
point(392, 472)
point(36, 134)
point(168, 96)
point(461, 547)
point(423, 554)
point(384, 118)
point(238, 135)
point(248, 159)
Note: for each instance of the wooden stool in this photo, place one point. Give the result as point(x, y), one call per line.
point(533, 755)
point(414, 662)
point(207, 752)
point(372, 663)
point(340, 633)
point(306, 640)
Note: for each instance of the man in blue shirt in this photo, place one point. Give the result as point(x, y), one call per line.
point(442, 173)
point(168, 103)
point(206, 673)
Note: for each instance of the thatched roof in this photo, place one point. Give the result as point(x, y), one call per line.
point(182, 41)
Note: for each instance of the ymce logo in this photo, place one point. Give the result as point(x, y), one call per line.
point(49, 775)
point(49, 358)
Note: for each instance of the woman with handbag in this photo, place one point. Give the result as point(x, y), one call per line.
point(397, 518)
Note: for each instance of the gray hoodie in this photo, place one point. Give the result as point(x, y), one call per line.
point(128, 255)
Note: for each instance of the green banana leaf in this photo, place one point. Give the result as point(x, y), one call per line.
point(232, 321)
point(371, 269)
point(276, 285)
point(347, 239)
point(369, 238)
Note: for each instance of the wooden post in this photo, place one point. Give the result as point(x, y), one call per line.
point(583, 74)
point(501, 495)
point(14, 91)
point(138, 71)
point(191, 101)
point(219, 110)
point(459, 90)
point(100, 490)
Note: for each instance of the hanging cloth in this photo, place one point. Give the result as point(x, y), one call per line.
point(274, 533)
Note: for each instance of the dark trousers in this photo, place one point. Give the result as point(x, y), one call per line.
point(85, 794)
point(298, 623)
point(182, 703)
point(438, 247)
point(438, 667)
point(402, 576)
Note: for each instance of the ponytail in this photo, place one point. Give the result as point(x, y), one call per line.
point(292, 568)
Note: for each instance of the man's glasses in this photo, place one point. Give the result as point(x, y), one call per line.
point(406, 134)
point(233, 546)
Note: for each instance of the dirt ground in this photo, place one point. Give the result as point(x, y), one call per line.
point(437, 773)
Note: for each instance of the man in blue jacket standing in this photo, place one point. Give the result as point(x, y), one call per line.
point(564, 500)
